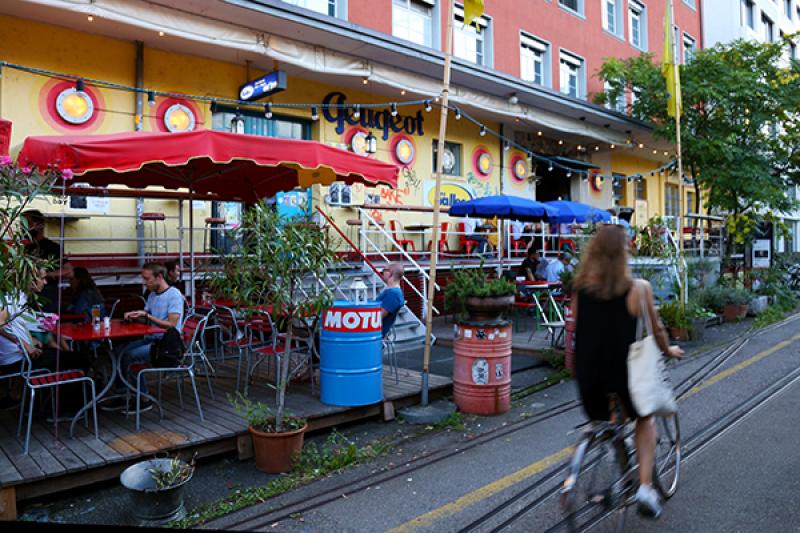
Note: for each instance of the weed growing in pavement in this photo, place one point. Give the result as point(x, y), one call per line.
point(452, 421)
point(315, 461)
point(556, 377)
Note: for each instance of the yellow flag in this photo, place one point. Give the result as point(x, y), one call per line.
point(473, 9)
point(669, 67)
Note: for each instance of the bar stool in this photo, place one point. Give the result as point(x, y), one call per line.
point(211, 223)
point(151, 244)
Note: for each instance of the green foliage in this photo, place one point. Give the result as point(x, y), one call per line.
point(261, 416)
point(673, 316)
point(452, 421)
point(468, 282)
point(566, 277)
point(717, 297)
point(740, 126)
point(650, 240)
point(175, 474)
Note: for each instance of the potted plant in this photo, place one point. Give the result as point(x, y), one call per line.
point(274, 450)
point(735, 304)
point(566, 276)
point(698, 316)
point(156, 488)
point(675, 320)
point(274, 257)
point(476, 298)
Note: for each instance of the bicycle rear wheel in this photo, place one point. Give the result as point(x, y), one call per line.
point(592, 489)
point(668, 455)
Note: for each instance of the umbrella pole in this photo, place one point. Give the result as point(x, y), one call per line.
point(426, 357)
point(191, 246)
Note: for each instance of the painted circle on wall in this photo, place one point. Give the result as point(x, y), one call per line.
point(179, 118)
point(403, 150)
point(596, 182)
point(174, 115)
point(358, 143)
point(519, 167)
point(482, 162)
point(68, 110)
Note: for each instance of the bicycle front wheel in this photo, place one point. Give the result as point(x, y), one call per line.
point(668, 455)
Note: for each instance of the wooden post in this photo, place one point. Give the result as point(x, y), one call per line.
point(8, 503)
point(681, 256)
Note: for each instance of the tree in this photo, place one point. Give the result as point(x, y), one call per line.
point(740, 126)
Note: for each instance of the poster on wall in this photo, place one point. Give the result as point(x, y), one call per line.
point(640, 213)
point(450, 194)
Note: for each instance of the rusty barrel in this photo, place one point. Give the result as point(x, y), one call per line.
point(482, 368)
point(569, 340)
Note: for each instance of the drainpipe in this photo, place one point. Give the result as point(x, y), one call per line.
point(138, 122)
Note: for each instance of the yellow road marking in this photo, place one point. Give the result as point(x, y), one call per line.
point(490, 489)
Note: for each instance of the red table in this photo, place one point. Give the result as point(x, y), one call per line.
point(73, 317)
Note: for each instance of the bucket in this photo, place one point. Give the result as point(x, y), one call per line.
point(482, 368)
point(351, 355)
point(151, 505)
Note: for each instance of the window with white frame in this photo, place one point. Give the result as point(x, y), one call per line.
point(635, 95)
point(534, 58)
point(612, 16)
point(671, 200)
point(689, 48)
point(326, 7)
point(468, 42)
point(412, 20)
point(768, 28)
point(787, 6)
point(571, 71)
point(572, 5)
point(637, 25)
point(749, 13)
point(619, 104)
point(690, 3)
point(792, 51)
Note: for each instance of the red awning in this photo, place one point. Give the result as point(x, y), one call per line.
point(233, 166)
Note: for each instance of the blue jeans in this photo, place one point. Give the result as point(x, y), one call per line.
point(134, 353)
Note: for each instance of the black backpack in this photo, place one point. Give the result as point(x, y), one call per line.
point(167, 351)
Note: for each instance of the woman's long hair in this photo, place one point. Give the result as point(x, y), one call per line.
point(603, 271)
point(84, 280)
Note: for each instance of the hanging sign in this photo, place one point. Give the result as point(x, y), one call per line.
point(264, 86)
point(334, 110)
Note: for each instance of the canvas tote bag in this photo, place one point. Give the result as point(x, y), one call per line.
point(648, 381)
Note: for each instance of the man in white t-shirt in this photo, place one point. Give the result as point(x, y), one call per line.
point(555, 268)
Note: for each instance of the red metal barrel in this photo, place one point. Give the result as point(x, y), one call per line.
point(569, 340)
point(482, 369)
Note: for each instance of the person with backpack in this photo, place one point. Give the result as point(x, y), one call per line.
point(164, 308)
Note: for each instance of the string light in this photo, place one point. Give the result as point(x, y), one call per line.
point(569, 174)
point(506, 146)
point(356, 111)
point(314, 114)
point(428, 106)
point(550, 167)
point(364, 80)
point(268, 110)
point(394, 109)
point(613, 146)
point(151, 98)
point(402, 92)
point(90, 18)
point(458, 114)
point(483, 131)
point(161, 34)
point(560, 141)
point(79, 85)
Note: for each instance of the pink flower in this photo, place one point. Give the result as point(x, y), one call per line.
point(5, 161)
point(27, 171)
point(67, 174)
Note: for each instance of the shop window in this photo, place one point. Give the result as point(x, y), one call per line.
point(451, 163)
point(253, 123)
point(469, 42)
point(572, 74)
point(749, 13)
point(637, 24)
point(534, 60)
point(326, 7)
point(412, 20)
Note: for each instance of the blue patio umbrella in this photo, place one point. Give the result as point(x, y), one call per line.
point(577, 212)
point(504, 207)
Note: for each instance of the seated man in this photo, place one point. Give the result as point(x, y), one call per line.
point(533, 268)
point(555, 268)
point(391, 298)
point(43, 248)
point(164, 308)
point(173, 274)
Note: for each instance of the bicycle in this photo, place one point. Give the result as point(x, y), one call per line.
point(602, 476)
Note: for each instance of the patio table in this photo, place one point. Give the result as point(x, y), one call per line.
point(420, 229)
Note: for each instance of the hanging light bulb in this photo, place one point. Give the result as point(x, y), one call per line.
point(213, 106)
point(458, 113)
point(237, 123)
point(506, 146)
point(314, 114)
point(483, 131)
point(560, 141)
point(268, 110)
point(539, 133)
point(550, 167)
point(613, 146)
point(79, 86)
point(596, 148)
point(151, 98)
point(394, 109)
point(364, 80)
point(372, 143)
point(357, 111)
point(641, 145)
point(428, 106)
point(585, 178)
point(569, 174)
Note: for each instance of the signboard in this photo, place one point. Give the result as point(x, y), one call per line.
point(450, 194)
point(388, 121)
point(264, 86)
point(350, 320)
point(640, 213)
point(761, 253)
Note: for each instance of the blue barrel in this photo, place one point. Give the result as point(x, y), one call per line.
point(351, 354)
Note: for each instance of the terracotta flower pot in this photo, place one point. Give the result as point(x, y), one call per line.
point(679, 334)
point(487, 309)
point(274, 452)
point(734, 312)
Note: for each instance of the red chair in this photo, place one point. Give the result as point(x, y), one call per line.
point(404, 243)
point(518, 246)
point(464, 242)
point(443, 245)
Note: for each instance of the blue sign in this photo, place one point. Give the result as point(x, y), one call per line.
point(263, 86)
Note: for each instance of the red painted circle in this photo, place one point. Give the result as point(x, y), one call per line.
point(394, 141)
point(518, 159)
point(162, 104)
point(479, 152)
point(47, 106)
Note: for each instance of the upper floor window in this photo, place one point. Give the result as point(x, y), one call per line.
point(619, 104)
point(637, 25)
point(326, 7)
point(534, 58)
point(690, 3)
point(611, 16)
point(787, 6)
point(468, 42)
point(689, 48)
point(749, 16)
point(571, 70)
point(768, 27)
point(412, 20)
point(572, 5)
point(792, 51)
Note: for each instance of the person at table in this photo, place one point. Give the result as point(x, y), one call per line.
point(164, 308)
point(85, 294)
point(43, 248)
point(391, 298)
point(533, 268)
point(555, 268)
point(173, 273)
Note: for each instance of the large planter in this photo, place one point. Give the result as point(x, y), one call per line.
point(734, 312)
point(275, 452)
point(489, 308)
point(150, 504)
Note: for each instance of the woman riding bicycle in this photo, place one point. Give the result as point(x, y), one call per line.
point(606, 304)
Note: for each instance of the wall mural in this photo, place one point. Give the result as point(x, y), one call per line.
point(482, 163)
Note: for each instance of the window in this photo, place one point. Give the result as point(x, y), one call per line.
point(749, 13)
point(468, 42)
point(689, 48)
point(637, 25)
point(787, 6)
point(619, 105)
point(768, 27)
point(572, 5)
point(640, 189)
point(534, 56)
point(611, 16)
point(571, 70)
point(635, 93)
point(412, 20)
point(690, 207)
point(326, 7)
point(690, 3)
point(792, 51)
point(254, 123)
point(671, 199)
point(451, 164)
point(619, 182)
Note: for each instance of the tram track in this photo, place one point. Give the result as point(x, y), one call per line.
point(362, 483)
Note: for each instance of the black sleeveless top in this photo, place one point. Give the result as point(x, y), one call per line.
point(603, 333)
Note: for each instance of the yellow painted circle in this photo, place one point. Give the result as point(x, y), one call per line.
point(76, 107)
point(179, 118)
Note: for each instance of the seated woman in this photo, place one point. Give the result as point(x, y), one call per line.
point(85, 294)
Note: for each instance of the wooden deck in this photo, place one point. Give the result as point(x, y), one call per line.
point(57, 462)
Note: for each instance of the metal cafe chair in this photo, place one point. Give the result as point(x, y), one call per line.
point(390, 350)
point(267, 343)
